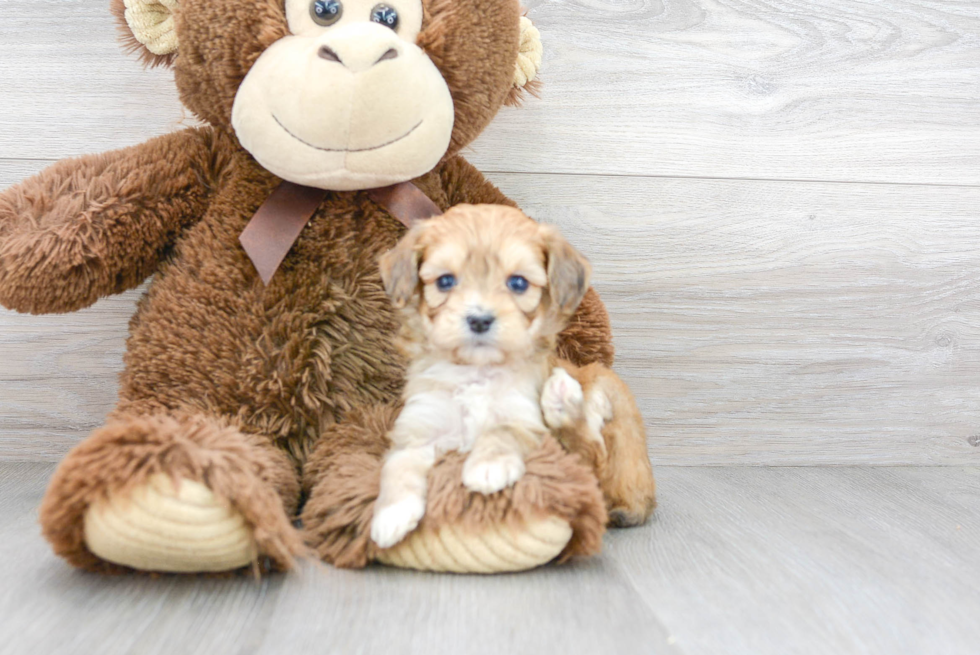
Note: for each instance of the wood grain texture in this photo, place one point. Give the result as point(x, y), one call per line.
point(69, 89)
point(775, 89)
point(737, 561)
point(58, 376)
point(757, 322)
point(785, 561)
point(785, 323)
point(883, 91)
point(13, 171)
point(49, 608)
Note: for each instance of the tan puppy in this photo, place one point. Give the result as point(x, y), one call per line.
point(483, 293)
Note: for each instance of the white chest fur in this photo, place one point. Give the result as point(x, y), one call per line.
point(449, 406)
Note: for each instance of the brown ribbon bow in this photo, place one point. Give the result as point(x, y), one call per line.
point(274, 228)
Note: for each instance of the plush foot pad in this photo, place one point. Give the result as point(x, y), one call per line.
point(495, 549)
point(158, 527)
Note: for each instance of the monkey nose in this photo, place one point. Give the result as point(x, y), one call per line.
point(390, 53)
point(328, 53)
point(356, 62)
point(325, 52)
point(480, 324)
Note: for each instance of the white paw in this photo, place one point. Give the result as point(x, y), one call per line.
point(561, 399)
point(489, 476)
point(392, 522)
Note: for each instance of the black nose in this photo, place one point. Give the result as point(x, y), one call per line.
point(480, 324)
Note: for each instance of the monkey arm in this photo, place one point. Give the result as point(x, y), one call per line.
point(100, 224)
point(588, 336)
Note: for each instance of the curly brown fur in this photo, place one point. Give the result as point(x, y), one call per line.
point(226, 377)
point(588, 336)
point(480, 351)
point(97, 225)
point(518, 94)
point(254, 478)
point(337, 516)
point(619, 455)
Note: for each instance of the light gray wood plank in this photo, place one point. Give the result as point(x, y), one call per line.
point(774, 89)
point(758, 323)
point(737, 560)
point(780, 561)
point(785, 323)
point(49, 608)
point(69, 89)
point(58, 376)
point(13, 171)
point(825, 90)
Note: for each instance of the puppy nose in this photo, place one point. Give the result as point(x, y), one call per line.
point(480, 324)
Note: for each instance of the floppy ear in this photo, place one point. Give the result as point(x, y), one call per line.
point(400, 267)
point(147, 28)
point(568, 272)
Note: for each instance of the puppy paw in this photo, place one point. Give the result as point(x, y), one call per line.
point(561, 400)
point(392, 522)
point(490, 475)
point(598, 410)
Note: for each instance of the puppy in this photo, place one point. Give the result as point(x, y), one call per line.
point(483, 292)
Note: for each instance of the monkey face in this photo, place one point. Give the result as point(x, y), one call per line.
point(347, 100)
point(337, 94)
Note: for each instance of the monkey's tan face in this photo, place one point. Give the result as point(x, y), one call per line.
point(484, 284)
point(347, 101)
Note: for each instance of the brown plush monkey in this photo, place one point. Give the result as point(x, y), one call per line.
point(245, 400)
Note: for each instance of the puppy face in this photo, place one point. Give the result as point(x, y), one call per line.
point(484, 284)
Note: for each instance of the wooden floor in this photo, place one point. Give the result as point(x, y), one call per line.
point(739, 560)
point(781, 200)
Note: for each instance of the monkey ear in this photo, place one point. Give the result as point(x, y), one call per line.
point(400, 267)
point(527, 65)
point(147, 28)
point(568, 272)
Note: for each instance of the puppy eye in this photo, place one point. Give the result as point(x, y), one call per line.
point(446, 282)
point(326, 12)
point(385, 15)
point(517, 283)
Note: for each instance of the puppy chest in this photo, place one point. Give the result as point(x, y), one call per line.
point(455, 415)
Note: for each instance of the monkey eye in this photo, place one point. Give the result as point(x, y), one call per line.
point(385, 15)
point(326, 12)
point(517, 283)
point(446, 282)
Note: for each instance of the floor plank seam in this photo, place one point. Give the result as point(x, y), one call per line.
point(650, 176)
point(672, 640)
point(733, 179)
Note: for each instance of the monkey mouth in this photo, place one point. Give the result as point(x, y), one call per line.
point(378, 147)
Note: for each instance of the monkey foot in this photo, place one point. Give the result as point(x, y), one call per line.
point(490, 549)
point(160, 526)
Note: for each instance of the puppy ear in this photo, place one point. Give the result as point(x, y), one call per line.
point(568, 272)
point(400, 267)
